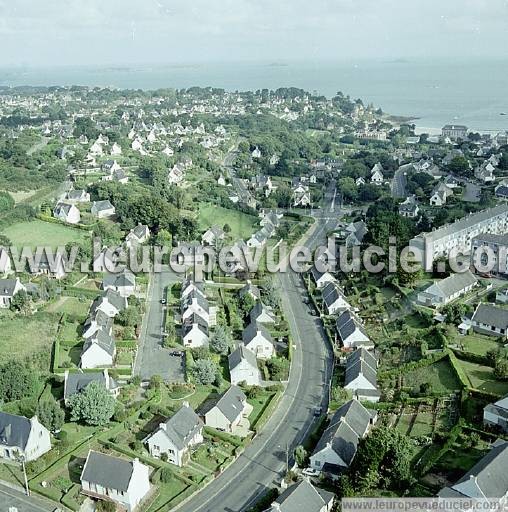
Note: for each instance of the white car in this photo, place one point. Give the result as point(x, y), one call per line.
point(310, 472)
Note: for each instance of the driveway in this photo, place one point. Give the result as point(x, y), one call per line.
point(472, 193)
point(153, 358)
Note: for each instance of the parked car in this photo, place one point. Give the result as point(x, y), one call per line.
point(310, 472)
point(318, 411)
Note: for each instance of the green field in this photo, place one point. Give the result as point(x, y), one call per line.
point(476, 343)
point(39, 233)
point(241, 224)
point(71, 306)
point(482, 377)
point(23, 336)
point(439, 375)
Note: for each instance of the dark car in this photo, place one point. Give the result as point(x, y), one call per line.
point(318, 411)
point(163, 301)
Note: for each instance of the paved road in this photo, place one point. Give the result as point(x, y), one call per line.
point(153, 358)
point(22, 503)
point(264, 460)
point(398, 185)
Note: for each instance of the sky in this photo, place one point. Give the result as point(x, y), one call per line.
point(122, 32)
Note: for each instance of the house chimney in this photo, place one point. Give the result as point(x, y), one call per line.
point(162, 426)
point(185, 404)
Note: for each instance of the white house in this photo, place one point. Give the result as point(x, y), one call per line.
point(305, 497)
point(137, 236)
point(338, 445)
point(9, 288)
point(321, 278)
point(262, 314)
point(21, 437)
point(213, 235)
point(102, 209)
point(195, 303)
point(243, 367)
point(443, 291)
point(256, 338)
point(351, 332)
point(122, 282)
point(376, 174)
point(110, 303)
point(491, 320)
point(67, 213)
point(361, 375)
point(496, 414)
point(176, 436)
point(99, 351)
point(124, 482)
point(230, 412)
point(195, 331)
point(440, 194)
point(334, 300)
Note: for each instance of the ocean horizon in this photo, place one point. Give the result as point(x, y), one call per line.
point(471, 92)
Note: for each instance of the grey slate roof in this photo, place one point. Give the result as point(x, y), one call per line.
point(491, 315)
point(251, 289)
point(347, 426)
point(182, 427)
point(361, 362)
point(490, 238)
point(240, 354)
point(14, 430)
point(259, 309)
point(331, 293)
point(201, 300)
point(250, 332)
point(488, 476)
point(452, 284)
point(194, 320)
point(77, 382)
point(119, 280)
point(107, 471)
point(231, 403)
point(347, 323)
point(7, 287)
point(102, 205)
point(303, 496)
point(103, 339)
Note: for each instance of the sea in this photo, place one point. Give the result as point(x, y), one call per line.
point(473, 92)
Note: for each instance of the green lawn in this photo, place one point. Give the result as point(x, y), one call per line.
point(241, 224)
point(71, 306)
point(23, 336)
point(259, 404)
point(39, 233)
point(482, 377)
point(476, 343)
point(439, 375)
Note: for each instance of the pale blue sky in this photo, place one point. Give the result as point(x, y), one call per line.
point(65, 32)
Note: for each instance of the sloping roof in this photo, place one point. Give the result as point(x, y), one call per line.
point(201, 300)
point(347, 426)
point(347, 323)
point(103, 339)
point(7, 287)
point(453, 284)
point(242, 353)
point(331, 293)
point(77, 382)
point(259, 309)
point(489, 314)
point(361, 362)
point(182, 427)
point(250, 288)
point(231, 403)
point(192, 320)
point(119, 280)
point(107, 471)
point(102, 205)
point(303, 496)
point(14, 430)
point(250, 332)
point(491, 238)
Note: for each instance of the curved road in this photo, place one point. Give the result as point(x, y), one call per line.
point(264, 461)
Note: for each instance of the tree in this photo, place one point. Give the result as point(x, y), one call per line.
point(272, 296)
point(17, 381)
point(106, 506)
point(454, 312)
point(226, 228)
point(21, 302)
point(204, 371)
point(501, 368)
point(246, 303)
point(50, 414)
point(460, 166)
point(301, 456)
point(94, 405)
point(220, 340)
point(278, 367)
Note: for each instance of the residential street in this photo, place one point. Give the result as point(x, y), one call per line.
point(22, 503)
point(264, 460)
point(153, 358)
point(398, 185)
